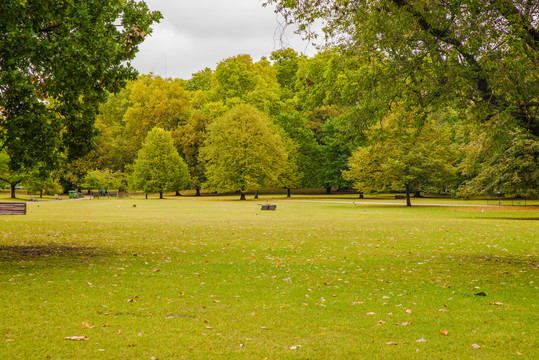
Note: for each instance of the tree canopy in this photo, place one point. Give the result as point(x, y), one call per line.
point(159, 167)
point(243, 151)
point(58, 60)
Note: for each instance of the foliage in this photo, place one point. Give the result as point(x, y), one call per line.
point(159, 167)
point(238, 80)
point(243, 151)
point(403, 154)
point(57, 62)
point(513, 169)
point(154, 102)
point(9, 176)
point(105, 179)
point(41, 181)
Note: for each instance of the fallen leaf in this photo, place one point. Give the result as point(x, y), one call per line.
point(408, 311)
point(381, 322)
point(403, 323)
point(294, 347)
point(480, 294)
point(475, 346)
point(119, 332)
point(421, 340)
point(444, 332)
point(496, 303)
point(371, 313)
point(85, 325)
point(391, 343)
point(76, 338)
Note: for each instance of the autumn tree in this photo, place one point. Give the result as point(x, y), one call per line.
point(154, 102)
point(159, 167)
point(243, 151)
point(58, 60)
point(404, 152)
point(479, 56)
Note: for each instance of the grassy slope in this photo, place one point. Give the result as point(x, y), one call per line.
point(218, 278)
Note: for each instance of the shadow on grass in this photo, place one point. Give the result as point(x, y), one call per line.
point(13, 253)
point(508, 218)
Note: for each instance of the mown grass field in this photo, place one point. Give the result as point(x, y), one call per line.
point(216, 278)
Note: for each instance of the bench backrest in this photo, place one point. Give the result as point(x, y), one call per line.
point(12, 208)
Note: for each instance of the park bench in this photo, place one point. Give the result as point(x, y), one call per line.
point(268, 206)
point(12, 208)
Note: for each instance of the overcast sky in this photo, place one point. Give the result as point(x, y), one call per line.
point(197, 34)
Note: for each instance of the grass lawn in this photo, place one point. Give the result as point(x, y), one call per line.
point(216, 278)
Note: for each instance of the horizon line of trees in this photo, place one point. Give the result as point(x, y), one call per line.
point(421, 98)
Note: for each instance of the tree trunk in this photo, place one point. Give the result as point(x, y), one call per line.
point(146, 196)
point(242, 195)
point(41, 194)
point(408, 203)
point(256, 194)
point(197, 192)
point(160, 194)
point(12, 188)
point(178, 193)
point(288, 192)
point(361, 195)
point(328, 189)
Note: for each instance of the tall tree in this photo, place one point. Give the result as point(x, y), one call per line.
point(243, 151)
point(404, 153)
point(154, 102)
point(57, 62)
point(159, 167)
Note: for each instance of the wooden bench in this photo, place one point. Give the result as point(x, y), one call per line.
point(12, 208)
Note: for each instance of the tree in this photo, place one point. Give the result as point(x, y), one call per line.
point(159, 167)
point(479, 56)
point(403, 154)
point(507, 163)
point(9, 176)
point(41, 181)
point(243, 151)
point(154, 102)
point(58, 60)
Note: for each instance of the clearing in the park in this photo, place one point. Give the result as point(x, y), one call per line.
point(319, 278)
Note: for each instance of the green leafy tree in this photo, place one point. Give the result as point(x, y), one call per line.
point(309, 156)
point(154, 102)
point(41, 181)
point(403, 155)
point(506, 163)
point(9, 176)
point(58, 60)
point(243, 151)
point(159, 167)
point(237, 80)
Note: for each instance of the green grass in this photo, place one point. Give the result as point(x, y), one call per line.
point(216, 278)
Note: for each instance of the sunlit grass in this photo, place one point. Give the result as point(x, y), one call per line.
point(213, 277)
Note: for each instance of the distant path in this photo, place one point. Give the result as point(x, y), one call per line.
point(391, 203)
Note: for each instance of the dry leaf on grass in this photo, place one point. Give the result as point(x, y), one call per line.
point(444, 332)
point(475, 346)
point(403, 323)
point(496, 303)
point(85, 325)
point(391, 343)
point(76, 338)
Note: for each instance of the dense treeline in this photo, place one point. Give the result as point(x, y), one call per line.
point(333, 121)
point(419, 97)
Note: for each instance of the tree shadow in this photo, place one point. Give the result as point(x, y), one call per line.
point(17, 253)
